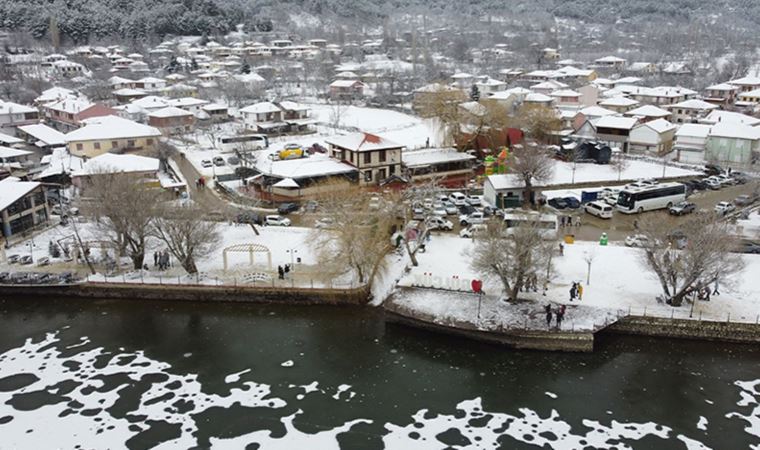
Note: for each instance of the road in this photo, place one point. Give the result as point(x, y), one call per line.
point(204, 197)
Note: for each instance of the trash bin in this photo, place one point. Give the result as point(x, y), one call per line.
point(569, 238)
point(603, 240)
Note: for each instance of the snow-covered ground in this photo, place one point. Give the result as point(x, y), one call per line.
point(592, 173)
point(619, 283)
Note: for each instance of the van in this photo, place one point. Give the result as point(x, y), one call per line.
point(458, 199)
point(599, 209)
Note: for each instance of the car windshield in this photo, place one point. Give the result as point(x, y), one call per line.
point(625, 199)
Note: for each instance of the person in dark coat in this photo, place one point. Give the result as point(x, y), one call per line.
point(560, 315)
point(548, 309)
point(573, 291)
point(280, 273)
point(155, 259)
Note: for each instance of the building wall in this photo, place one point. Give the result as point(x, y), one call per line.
point(37, 213)
point(729, 149)
point(91, 149)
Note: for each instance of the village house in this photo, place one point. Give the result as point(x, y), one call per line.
point(296, 116)
point(610, 62)
point(42, 136)
point(690, 111)
point(111, 134)
point(652, 138)
point(126, 95)
point(13, 115)
point(68, 114)
point(647, 113)
point(172, 120)
point(191, 104)
point(376, 158)
point(566, 97)
point(642, 67)
point(746, 84)
point(23, 207)
point(263, 117)
point(55, 94)
point(619, 104)
point(690, 143)
point(732, 143)
point(141, 167)
point(347, 90)
point(722, 94)
point(451, 167)
point(615, 131)
point(216, 112)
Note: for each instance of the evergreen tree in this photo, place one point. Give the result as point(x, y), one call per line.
point(474, 93)
point(245, 68)
point(193, 65)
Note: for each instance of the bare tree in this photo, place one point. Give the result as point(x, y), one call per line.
point(337, 110)
point(187, 236)
point(442, 103)
point(538, 122)
point(705, 258)
point(360, 238)
point(531, 164)
point(125, 208)
point(401, 203)
point(515, 258)
point(619, 163)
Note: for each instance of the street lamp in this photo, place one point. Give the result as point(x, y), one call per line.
point(31, 249)
point(292, 252)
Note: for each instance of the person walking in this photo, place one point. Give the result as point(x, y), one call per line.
point(548, 309)
point(580, 291)
point(280, 273)
point(577, 221)
point(560, 315)
point(573, 291)
point(287, 269)
point(155, 259)
point(561, 249)
point(715, 288)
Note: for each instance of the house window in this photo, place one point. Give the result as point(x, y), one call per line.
point(367, 175)
point(382, 155)
point(97, 145)
point(392, 169)
point(381, 174)
point(130, 144)
point(368, 158)
point(114, 144)
point(79, 147)
point(150, 141)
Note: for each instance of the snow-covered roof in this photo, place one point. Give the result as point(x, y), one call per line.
point(429, 156)
point(565, 93)
point(596, 111)
point(720, 116)
point(659, 125)
point(170, 111)
point(152, 80)
point(151, 102)
point(293, 106)
point(55, 93)
point(9, 140)
point(694, 104)
point(128, 92)
point(618, 101)
point(619, 122)
point(648, 111)
point(11, 190)
point(187, 101)
point(753, 93)
point(722, 87)
point(362, 142)
point(435, 87)
point(7, 152)
point(746, 81)
point(70, 105)
point(538, 98)
point(113, 163)
point(549, 85)
point(260, 108)
point(734, 130)
point(250, 78)
point(44, 133)
point(474, 108)
point(609, 59)
point(110, 127)
point(693, 130)
point(508, 181)
point(286, 183)
point(313, 166)
point(345, 83)
point(461, 76)
point(15, 108)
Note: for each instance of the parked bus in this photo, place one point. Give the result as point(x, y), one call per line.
point(633, 200)
point(548, 223)
point(243, 142)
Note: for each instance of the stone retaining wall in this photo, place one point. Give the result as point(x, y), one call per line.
point(748, 333)
point(519, 339)
point(93, 290)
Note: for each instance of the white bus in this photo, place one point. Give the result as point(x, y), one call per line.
point(242, 142)
point(548, 223)
point(633, 200)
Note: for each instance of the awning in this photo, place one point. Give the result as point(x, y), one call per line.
point(300, 121)
point(270, 125)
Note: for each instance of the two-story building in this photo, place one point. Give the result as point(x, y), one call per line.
point(690, 142)
point(264, 117)
point(23, 206)
point(375, 157)
point(13, 115)
point(111, 134)
point(732, 143)
point(68, 114)
point(296, 116)
point(652, 138)
point(346, 90)
point(172, 120)
point(722, 94)
point(690, 111)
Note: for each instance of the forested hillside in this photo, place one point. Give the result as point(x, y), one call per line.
point(83, 20)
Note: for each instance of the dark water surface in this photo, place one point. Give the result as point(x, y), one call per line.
point(116, 374)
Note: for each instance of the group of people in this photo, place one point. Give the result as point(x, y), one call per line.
point(569, 221)
point(559, 313)
point(704, 292)
point(576, 291)
point(200, 183)
point(530, 284)
point(161, 260)
point(282, 271)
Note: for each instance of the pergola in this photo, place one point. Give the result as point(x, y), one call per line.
point(251, 249)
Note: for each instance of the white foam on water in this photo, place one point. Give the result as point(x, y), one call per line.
point(288, 363)
point(550, 394)
point(235, 377)
point(691, 444)
point(702, 424)
point(341, 389)
point(750, 395)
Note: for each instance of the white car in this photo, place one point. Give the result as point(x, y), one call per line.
point(277, 221)
point(450, 207)
point(475, 218)
point(457, 198)
point(473, 200)
point(599, 209)
point(439, 209)
point(724, 208)
point(637, 240)
point(439, 223)
point(206, 163)
point(472, 230)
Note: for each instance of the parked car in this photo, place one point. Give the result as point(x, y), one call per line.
point(472, 230)
point(13, 259)
point(287, 208)
point(277, 221)
point(473, 200)
point(450, 208)
point(467, 209)
point(218, 161)
point(325, 222)
point(249, 217)
point(206, 163)
point(725, 180)
point(458, 198)
point(476, 217)
point(637, 240)
point(4, 276)
point(740, 177)
point(712, 183)
point(19, 277)
point(724, 208)
point(439, 223)
point(26, 260)
point(599, 209)
point(572, 202)
point(439, 210)
point(418, 213)
point(744, 200)
point(44, 261)
point(696, 185)
point(311, 206)
point(712, 169)
point(744, 246)
point(679, 209)
point(557, 203)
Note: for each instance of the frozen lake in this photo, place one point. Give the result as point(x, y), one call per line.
point(138, 375)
